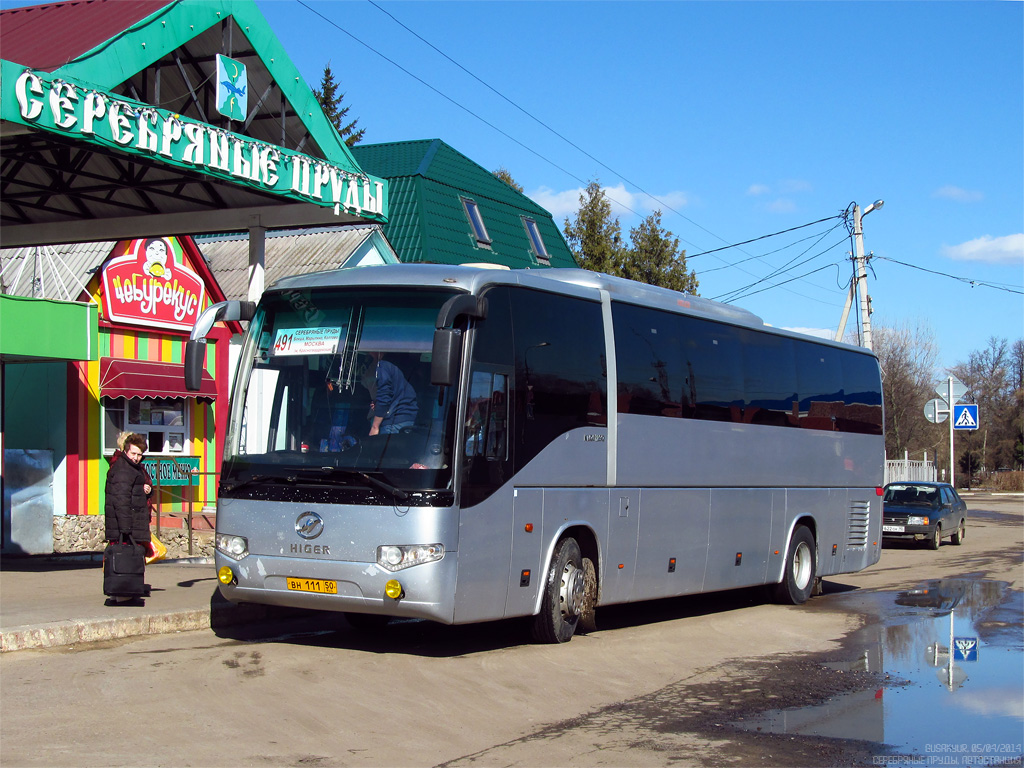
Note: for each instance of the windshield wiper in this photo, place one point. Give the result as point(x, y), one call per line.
point(380, 485)
point(320, 476)
point(398, 493)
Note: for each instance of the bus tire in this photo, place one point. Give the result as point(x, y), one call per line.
point(801, 569)
point(588, 611)
point(563, 595)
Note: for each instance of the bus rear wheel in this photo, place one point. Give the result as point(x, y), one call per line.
point(801, 569)
point(564, 595)
point(588, 611)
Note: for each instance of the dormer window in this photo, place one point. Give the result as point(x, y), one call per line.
point(536, 240)
point(477, 222)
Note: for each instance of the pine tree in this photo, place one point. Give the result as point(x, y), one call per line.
point(330, 101)
point(503, 174)
point(654, 257)
point(595, 237)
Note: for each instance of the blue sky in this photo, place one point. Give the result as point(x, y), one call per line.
point(743, 119)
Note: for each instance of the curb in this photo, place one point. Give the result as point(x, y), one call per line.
point(70, 633)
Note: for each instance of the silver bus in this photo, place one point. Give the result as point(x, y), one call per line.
point(577, 441)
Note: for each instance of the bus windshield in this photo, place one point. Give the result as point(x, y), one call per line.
point(335, 385)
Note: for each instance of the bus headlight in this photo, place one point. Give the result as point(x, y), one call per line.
point(235, 547)
point(395, 557)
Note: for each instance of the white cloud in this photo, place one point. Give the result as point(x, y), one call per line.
point(958, 194)
point(794, 186)
point(992, 250)
point(778, 197)
point(781, 205)
point(625, 204)
point(559, 204)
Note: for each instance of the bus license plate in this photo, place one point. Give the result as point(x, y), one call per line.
point(320, 586)
point(892, 529)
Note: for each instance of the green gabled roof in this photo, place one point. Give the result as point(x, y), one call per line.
point(428, 222)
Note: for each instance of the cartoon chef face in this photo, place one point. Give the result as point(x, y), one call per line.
point(156, 258)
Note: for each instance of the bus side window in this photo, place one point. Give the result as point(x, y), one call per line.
point(487, 416)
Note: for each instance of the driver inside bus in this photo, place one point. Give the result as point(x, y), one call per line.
point(394, 405)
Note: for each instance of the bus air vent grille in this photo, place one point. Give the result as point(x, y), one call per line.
point(857, 533)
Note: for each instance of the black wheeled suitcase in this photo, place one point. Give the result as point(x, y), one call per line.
point(124, 569)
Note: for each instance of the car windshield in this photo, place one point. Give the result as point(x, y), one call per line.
point(912, 494)
point(335, 382)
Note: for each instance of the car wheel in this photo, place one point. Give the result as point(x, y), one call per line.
point(936, 538)
point(959, 533)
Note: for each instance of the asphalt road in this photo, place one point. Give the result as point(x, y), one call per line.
point(658, 684)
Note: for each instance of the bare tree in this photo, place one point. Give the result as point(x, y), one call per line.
point(908, 357)
point(992, 376)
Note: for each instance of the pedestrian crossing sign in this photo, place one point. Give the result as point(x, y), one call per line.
point(965, 416)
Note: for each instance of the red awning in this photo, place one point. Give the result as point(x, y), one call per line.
point(143, 378)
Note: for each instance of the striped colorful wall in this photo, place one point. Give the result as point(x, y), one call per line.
point(87, 464)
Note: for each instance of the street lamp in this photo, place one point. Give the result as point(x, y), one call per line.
point(860, 282)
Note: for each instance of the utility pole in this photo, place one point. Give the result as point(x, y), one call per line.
point(859, 284)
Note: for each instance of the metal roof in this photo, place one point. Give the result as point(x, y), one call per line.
point(427, 221)
point(49, 36)
point(296, 252)
point(55, 271)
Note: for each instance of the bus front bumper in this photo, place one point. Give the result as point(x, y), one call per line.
point(427, 590)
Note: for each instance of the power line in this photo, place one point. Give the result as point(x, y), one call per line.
point(739, 293)
point(445, 96)
point(760, 255)
point(524, 146)
point(548, 127)
point(983, 283)
point(762, 237)
point(798, 277)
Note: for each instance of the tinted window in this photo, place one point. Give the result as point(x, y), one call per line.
point(560, 379)
point(713, 357)
point(676, 365)
point(820, 380)
point(651, 365)
point(769, 380)
point(863, 394)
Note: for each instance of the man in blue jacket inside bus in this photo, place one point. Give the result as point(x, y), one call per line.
point(394, 405)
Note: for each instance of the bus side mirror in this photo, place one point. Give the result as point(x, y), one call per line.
point(446, 351)
point(195, 358)
point(445, 357)
point(195, 347)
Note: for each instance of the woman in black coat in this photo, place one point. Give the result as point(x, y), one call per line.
point(127, 491)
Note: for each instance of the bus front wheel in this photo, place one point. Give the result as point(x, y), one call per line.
point(564, 595)
point(801, 569)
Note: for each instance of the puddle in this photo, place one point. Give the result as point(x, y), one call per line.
point(964, 711)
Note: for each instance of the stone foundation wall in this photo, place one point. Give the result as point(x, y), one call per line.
point(84, 533)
